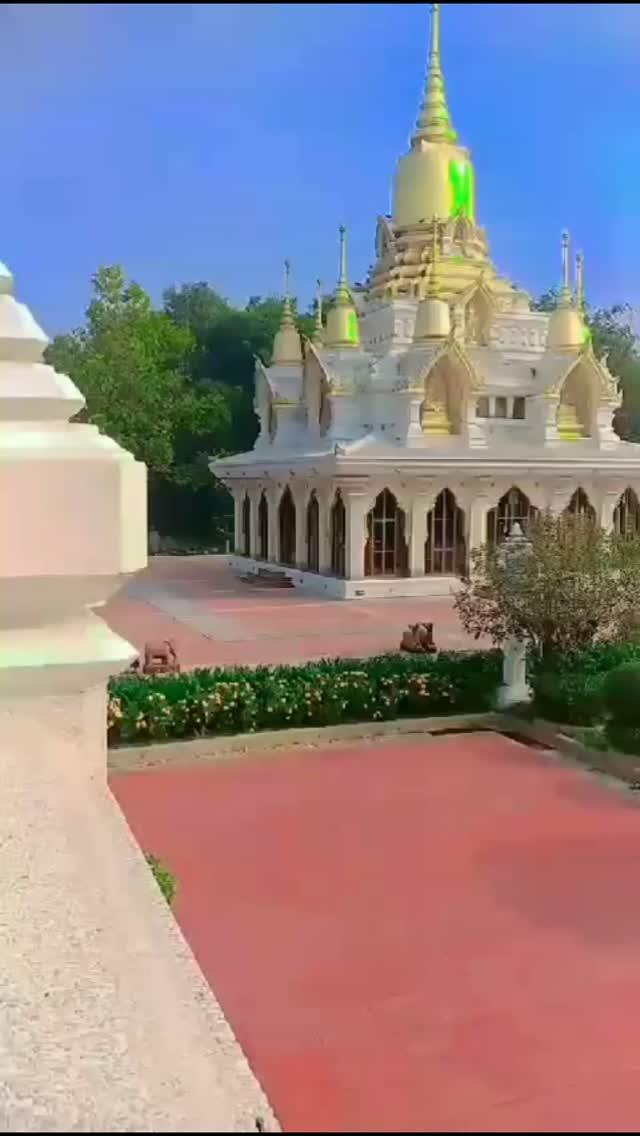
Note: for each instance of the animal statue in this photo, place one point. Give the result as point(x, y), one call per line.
point(160, 658)
point(418, 639)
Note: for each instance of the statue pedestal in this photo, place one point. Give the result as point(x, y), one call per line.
point(515, 688)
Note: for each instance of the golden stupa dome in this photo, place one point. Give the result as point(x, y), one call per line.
point(342, 328)
point(567, 330)
point(287, 346)
point(436, 177)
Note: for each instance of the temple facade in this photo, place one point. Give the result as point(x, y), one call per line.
point(429, 410)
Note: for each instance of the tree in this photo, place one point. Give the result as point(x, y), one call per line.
point(132, 364)
point(577, 584)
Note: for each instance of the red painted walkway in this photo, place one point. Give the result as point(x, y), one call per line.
point(414, 936)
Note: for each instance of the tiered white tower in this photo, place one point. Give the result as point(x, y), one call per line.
point(433, 410)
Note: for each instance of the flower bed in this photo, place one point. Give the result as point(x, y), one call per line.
point(242, 699)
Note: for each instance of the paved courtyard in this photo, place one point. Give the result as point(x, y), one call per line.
point(430, 936)
point(214, 618)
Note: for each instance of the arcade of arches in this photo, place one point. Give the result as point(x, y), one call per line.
point(339, 536)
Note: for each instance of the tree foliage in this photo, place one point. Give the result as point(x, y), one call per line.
point(578, 584)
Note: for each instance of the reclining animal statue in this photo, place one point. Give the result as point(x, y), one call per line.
point(418, 639)
point(160, 658)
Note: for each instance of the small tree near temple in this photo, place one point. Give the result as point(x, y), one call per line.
point(578, 584)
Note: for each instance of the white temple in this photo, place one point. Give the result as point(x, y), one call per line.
point(433, 408)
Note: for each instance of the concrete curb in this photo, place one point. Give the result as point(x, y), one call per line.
point(621, 766)
point(202, 750)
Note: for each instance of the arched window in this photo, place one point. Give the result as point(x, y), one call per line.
point(626, 516)
point(514, 507)
point(313, 533)
point(287, 526)
point(445, 551)
point(246, 525)
point(338, 536)
point(385, 552)
point(580, 506)
point(263, 528)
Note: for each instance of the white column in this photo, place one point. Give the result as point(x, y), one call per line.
point(107, 1022)
point(608, 508)
point(477, 525)
point(421, 504)
point(357, 506)
point(300, 499)
point(238, 498)
point(273, 498)
point(325, 501)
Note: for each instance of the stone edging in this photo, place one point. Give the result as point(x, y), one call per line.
point(196, 750)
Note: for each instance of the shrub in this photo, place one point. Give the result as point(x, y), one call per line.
point(573, 585)
point(621, 695)
point(572, 698)
point(165, 879)
point(238, 700)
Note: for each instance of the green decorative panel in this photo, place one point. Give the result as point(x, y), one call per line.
point(462, 189)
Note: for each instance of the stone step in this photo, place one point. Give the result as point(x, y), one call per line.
point(268, 578)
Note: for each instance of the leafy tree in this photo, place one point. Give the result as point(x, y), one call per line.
point(132, 364)
point(578, 584)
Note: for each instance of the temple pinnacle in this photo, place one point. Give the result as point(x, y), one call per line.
point(434, 120)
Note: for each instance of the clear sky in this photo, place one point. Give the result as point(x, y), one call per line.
point(208, 141)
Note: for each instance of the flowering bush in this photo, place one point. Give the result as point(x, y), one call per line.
point(239, 700)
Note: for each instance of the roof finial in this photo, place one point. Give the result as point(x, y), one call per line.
point(342, 291)
point(318, 330)
point(564, 299)
point(287, 310)
point(580, 303)
point(434, 120)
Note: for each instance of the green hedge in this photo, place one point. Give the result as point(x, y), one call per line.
point(571, 688)
point(241, 699)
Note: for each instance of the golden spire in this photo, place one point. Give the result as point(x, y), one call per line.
point(434, 120)
point(566, 326)
point(287, 319)
point(564, 298)
point(318, 329)
point(342, 320)
point(286, 345)
point(580, 282)
point(342, 291)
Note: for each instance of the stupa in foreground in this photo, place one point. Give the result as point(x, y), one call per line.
point(432, 409)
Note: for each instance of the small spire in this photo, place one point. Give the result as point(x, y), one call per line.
point(434, 120)
point(564, 299)
point(318, 330)
point(286, 345)
point(287, 319)
point(342, 291)
point(580, 304)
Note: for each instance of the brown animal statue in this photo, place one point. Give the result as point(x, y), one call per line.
point(418, 639)
point(160, 658)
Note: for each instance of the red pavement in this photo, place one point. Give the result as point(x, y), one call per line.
point(430, 937)
point(254, 626)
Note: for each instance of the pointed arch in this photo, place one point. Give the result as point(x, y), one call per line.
point(313, 533)
point(478, 315)
point(626, 515)
point(246, 525)
point(445, 550)
point(338, 536)
point(386, 552)
point(580, 506)
point(263, 527)
point(287, 528)
point(513, 507)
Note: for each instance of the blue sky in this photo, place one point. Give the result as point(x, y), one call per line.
point(193, 142)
